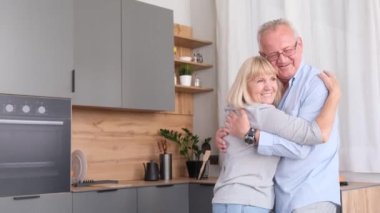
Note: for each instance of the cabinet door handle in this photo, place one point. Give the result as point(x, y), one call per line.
point(106, 190)
point(73, 81)
point(165, 185)
point(207, 184)
point(26, 197)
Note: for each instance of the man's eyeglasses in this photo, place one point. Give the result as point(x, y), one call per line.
point(288, 51)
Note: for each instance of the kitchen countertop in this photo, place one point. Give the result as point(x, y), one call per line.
point(141, 183)
point(210, 180)
point(357, 185)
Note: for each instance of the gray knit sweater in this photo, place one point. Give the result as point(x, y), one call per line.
point(246, 177)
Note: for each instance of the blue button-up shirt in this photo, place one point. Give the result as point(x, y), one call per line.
point(305, 174)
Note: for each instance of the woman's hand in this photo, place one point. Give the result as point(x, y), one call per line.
point(237, 123)
point(219, 141)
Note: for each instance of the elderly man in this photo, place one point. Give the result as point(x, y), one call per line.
point(307, 176)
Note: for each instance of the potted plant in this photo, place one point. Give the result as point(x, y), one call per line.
point(185, 74)
point(188, 148)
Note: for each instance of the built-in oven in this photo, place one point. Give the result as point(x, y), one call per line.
point(35, 144)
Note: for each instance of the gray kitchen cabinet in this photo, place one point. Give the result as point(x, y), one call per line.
point(163, 199)
point(97, 53)
point(36, 47)
point(44, 203)
point(200, 197)
point(123, 55)
point(147, 57)
point(109, 201)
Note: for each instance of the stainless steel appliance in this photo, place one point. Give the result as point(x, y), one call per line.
point(35, 144)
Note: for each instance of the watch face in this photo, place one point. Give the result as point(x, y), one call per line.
point(249, 140)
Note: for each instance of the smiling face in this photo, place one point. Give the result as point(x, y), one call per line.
point(263, 88)
point(256, 82)
point(282, 41)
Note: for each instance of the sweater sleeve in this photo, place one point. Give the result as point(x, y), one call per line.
point(267, 118)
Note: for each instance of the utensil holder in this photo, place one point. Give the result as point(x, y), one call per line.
point(206, 171)
point(166, 166)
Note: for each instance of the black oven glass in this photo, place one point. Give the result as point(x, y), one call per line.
point(34, 145)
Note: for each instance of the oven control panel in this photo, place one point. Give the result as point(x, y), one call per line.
point(24, 108)
point(19, 105)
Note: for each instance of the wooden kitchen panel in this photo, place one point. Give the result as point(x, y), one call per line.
point(117, 142)
point(184, 104)
point(181, 51)
point(183, 31)
point(360, 197)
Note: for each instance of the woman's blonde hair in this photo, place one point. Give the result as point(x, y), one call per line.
point(238, 96)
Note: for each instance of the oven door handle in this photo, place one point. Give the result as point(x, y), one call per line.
point(31, 122)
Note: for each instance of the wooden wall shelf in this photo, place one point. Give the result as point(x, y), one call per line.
point(184, 46)
point(186, 89)
point(190, 42)
point(194, 65)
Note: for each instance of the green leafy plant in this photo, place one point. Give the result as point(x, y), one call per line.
point(187, 142)
point(185, 69)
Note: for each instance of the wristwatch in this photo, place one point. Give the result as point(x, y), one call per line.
point(249, 138)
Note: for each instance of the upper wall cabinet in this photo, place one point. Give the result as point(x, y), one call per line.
point(147, 56)
point(97, 53)
point(123, 55)
point(36, 45)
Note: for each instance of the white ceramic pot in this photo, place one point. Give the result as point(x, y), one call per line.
point(185, 80)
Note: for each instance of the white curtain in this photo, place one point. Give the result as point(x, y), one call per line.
point(342, 36)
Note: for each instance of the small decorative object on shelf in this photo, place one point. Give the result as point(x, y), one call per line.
point(185, 74)
point(185, 58)
point(197, 82)
point(175, 51)
point(194, 58)
point(199, 58)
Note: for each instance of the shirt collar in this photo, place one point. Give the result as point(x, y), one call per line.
point(291, 81)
